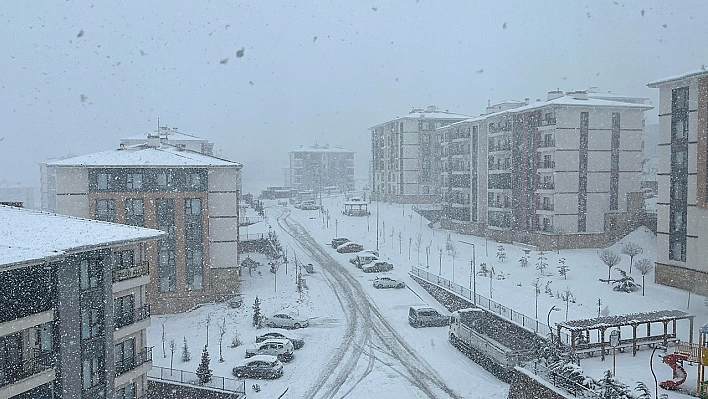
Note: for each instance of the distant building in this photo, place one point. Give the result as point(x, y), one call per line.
point(319, 168)
point(191, 196)
point(682, 205)
point(560, 172)
point(17, 193)
point(174, 138)
point(73, 310)
point(405, 155)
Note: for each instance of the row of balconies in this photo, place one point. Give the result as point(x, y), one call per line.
point(140, 358)
point(128, 318)
point(139, 270)
point(38, 363)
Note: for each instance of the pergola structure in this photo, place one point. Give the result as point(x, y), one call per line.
point(581, 337)
point(356, 208)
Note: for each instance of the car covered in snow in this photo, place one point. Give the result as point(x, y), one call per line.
point(280, 348)
point(349, 247)
point(259, 366)
point(282, 320)
point(363, 258)
point(339, 241)
point(425, 316)
point(388, 282)
point(297, 342)
point(377, 267)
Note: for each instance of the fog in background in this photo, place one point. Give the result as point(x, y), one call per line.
point(262, 78)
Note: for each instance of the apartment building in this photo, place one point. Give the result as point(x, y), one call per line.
point(191, 196)
point(554, 173)
point(73, 309)
point(406, 165)
point(682, 205)
point(321, 169)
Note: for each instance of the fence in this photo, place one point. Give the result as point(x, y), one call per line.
point(505, 312)
point(190, 378)
point(560, 381)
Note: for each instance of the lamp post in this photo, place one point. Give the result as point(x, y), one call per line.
point(651, 367)
point(548, 322)
point(473, 274)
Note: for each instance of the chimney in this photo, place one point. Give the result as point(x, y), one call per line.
point(526, 100)
point(553, 94)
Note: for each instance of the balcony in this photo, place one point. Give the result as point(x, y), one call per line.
point(139, 270)
point(125, 365)
point(547, 165)
point(548, 121)
point(546, 207)
point(28, 368)
point(547, 144)
point(128, 318)
point(546, 186)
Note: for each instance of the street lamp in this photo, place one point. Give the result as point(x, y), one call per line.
point(548, 322)
point(651, 367)
point(473, 275)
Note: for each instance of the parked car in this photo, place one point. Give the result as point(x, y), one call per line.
point(297, 342)
point(309, 207)
point(388, 282)
point(281, 320)
point(349, 247)
point(297, 205)
point(424, 316)
point(260, 366)
point(369, 251)
point(339, 241)
point(281, 348)
point(378, 267)
point(363, 258)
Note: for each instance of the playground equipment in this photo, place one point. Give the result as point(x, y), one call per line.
point(675, 361)
point(694, 353)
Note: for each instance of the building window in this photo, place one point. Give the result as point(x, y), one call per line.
point(134, 212)
point(164, 180)
point(45, 337)
point(92, 372)
point(91, 323)
point(194, 181)
point(106, 210)
point(102, 181)
point(192, 206)
point(126, 392)
point(91, 274)
point(134, 181)
point(123, 311)
point(166, 270)
point(123, 259)
point(679, 174)
point(125, 356)
point(195, 270)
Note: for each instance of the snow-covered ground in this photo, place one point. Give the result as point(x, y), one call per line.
point(399, 228)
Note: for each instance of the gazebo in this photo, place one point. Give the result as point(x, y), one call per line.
point(356, 208)
point(581, 337)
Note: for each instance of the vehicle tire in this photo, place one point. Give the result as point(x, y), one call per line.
point(297, 325)
point(401, 285)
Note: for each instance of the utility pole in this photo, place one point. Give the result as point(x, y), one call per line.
point(473, 274)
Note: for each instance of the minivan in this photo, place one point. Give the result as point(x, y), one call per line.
point(424, 316)
point(363, 259)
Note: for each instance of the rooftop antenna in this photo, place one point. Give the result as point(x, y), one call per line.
point(158, 125)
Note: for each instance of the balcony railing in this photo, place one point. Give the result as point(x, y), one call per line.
point(546, 207)
point(547, 143)
point(139, 270)
point(142, 357)
point(546, 186)
point(128, 318)
point(548, 164)
point(11, 374)
point(548, 121)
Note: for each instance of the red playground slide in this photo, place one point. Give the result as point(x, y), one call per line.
point(679, 373)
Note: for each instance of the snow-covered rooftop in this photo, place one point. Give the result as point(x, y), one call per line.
point(171, 135)
point(29, 235)
point(687, 75)
point(144, 155)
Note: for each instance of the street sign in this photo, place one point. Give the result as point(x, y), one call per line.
point(614, 338)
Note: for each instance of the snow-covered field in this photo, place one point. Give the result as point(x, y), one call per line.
point(383, 372)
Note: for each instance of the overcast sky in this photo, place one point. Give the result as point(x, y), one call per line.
point(261, 78)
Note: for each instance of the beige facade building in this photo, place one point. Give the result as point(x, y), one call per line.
point(191, 196)
point(682, 205)
point(321, 169)
point(559, 172)
point(405, 153)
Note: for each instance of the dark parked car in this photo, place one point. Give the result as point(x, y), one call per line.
point(297, 342)
point(424, 316)
point(377, 267)
point(339, 241)
point(259, 366)
point(350, 247)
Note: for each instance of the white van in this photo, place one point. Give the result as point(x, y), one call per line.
point(362, 259)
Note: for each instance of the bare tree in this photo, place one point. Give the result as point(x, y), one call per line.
point(164, 355)
point(427, 255)
point(173, 346)
point(410, 241)
point(537, 291)
point(393, 233)
point(222, 331)
point(418, 244)
point(567, 297)
point(440, 250)
point(644, 266)
point(611, 259)
point(563, 269)
point(400, 242)
point(453, 254)
point(632, 250)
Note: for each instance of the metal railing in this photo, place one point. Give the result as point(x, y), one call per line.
point(505, 312)
point(190, 378)
point(139, 270)
point(11, 374)
point(142, 357)
point(128, 318)
point(560, 381)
